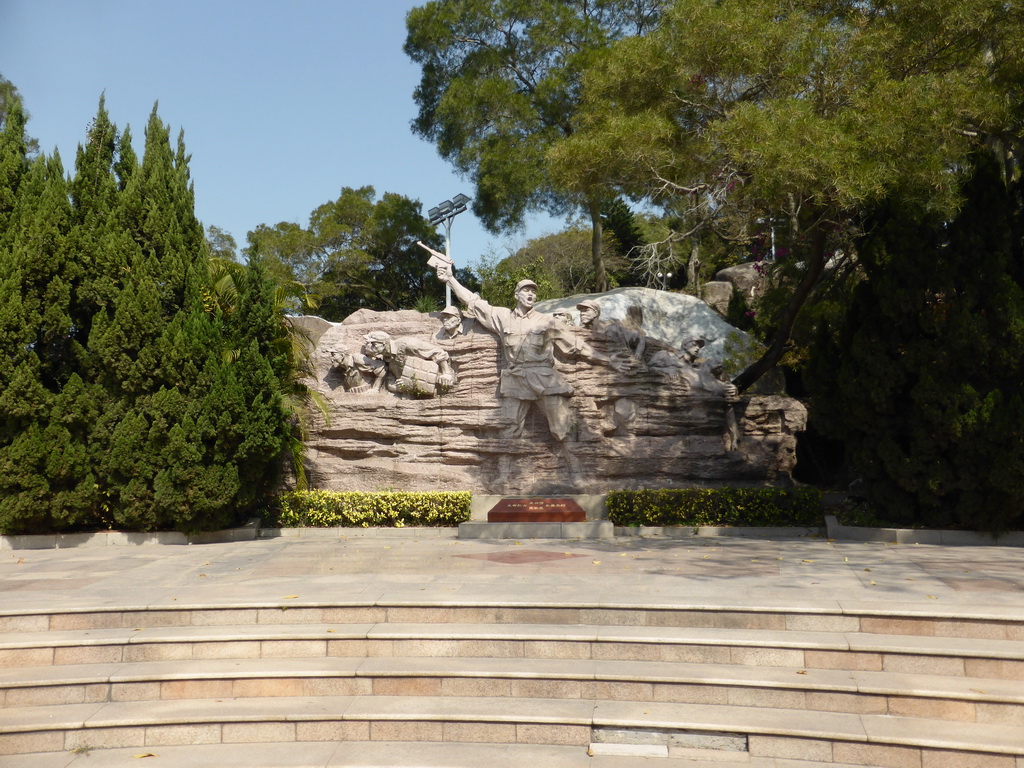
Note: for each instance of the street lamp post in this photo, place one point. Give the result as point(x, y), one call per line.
point(444, 213)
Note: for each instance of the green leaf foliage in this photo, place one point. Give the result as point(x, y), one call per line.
point(808, 112)
point(500, 85)
point(128, 397)
point(559, 263)
point(749, 507)
point(390, 509)
point(923, 380)
point(357, 252)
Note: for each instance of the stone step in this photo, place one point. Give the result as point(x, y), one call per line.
point(770, 733)
point(381, 754)
point(993, 623)
point(864, 692)
point(981, 658)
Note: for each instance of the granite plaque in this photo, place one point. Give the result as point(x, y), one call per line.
point(533, 510)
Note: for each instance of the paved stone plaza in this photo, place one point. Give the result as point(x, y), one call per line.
point(388, 564)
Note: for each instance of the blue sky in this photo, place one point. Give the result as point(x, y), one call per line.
point(282, 103)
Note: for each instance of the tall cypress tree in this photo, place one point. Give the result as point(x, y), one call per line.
point(99, 239)
point(13, 160)
point(924, 382)
point(127, 397)
point(187, 408)
point(46, 477)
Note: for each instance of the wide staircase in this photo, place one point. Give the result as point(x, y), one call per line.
point(544, 686)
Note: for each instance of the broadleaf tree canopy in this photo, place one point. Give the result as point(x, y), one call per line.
point(500, 85)
point(805, 111)
point(357, 251)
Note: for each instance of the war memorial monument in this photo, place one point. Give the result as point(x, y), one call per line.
point(570, 396)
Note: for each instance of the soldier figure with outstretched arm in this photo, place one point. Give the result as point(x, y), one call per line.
point(528, 339)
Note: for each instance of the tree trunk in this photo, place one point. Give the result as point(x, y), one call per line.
point(693, 268)
point(771, 357)
point(596, 248)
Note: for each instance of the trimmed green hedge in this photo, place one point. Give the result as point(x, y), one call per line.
point(755, 507)
point(353, 509)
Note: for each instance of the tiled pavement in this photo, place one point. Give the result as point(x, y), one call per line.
point(437, 566)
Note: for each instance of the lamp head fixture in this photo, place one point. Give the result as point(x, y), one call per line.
point(447, 210)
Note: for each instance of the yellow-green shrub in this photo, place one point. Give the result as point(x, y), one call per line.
point(716, 506)
point(356, 509)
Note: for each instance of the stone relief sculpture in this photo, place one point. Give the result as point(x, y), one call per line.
point(628, 341)
point(453, 324)
point(405, 366)
point(529, 339)
point(649, 355)
point(620, 412)
point(590, 311)
point(563, 316)
point(540, 405)
point(358, 372)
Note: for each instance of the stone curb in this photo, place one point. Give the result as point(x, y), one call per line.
point(339, 533)
point(711, 531)
point(248, 532)
point(592, 529)
point(919, 536)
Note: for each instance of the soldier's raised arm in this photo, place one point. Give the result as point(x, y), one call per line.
point(446, 274)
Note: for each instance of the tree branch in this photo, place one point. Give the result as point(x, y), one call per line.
point(771, 357)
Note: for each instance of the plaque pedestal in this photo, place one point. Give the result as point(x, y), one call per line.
point(537, 518)
point(531, 510)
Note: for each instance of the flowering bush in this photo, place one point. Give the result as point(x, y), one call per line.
point(354, 509)
point(717, 506)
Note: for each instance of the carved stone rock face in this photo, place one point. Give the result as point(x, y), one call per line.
point(631, 426)
point(673, 318)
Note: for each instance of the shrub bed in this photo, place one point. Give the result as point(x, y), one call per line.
point(354, 509)
point(754, 507)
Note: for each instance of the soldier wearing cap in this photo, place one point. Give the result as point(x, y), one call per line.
point(564, 316)
point(628, 342)
point(528, 340)
point(589, 314)
point(452, 324)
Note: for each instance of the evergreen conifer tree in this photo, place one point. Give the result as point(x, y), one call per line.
point(13, 160)
point(128, 396)
point(46, 477)
point(923, 382)
point(209, 430)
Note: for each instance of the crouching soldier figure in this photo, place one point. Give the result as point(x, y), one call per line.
point(412, 366)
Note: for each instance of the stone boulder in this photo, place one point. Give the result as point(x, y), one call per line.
point(747, 279)
point(718, 294)
point(674, 318)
